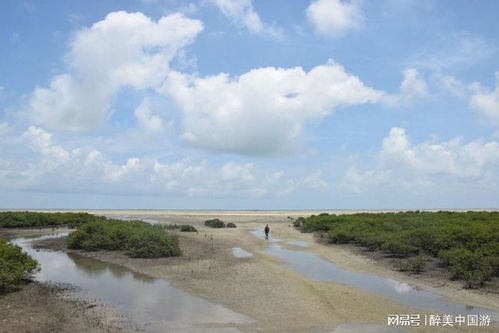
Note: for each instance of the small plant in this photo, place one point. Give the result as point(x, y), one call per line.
point(231, 225)
point(187, 228)
point(214, 223)
point(16, 266)
point(181, 227)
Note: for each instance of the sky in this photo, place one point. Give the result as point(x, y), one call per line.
point(249, 104)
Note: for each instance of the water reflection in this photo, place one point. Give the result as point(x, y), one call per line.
point(96, 268)
point(298, 243)
point(152, 303)
point(314, 267)
point(240, 253)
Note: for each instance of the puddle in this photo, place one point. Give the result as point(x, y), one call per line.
point(153, 304)
point(261, 234)
point(240, 253)
point(312, 266)
point(298, 243)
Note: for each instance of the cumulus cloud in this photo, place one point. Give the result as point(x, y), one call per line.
point(123, 50)
point(264, 110)
point(451, 85)
point(148, 122)
point(486, 102)
point(242, 13)
point(55, 168)
point(413, 87)
point(402, 163)
point(334, 18)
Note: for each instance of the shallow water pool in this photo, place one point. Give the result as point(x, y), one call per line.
point(152, 304)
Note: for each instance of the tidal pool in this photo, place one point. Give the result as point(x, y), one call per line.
point(152, 304)
point(313, 266)
point(240, 253)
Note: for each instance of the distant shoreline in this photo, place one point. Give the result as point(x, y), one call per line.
point(244, 212)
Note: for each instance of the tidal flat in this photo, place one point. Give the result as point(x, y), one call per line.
point(265, 290)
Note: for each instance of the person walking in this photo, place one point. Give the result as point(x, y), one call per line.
point(267, 230)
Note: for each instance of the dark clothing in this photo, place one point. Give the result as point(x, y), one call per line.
point(267, 229)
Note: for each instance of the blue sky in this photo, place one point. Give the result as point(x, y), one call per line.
point(241, 104)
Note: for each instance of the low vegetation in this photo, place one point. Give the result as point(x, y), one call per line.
point(16, 266)
point(217, 223)
point(466, 244)
point(181, 227)
point(137, 238)
point(214, 223)
point(412, 265)
point(39, 220)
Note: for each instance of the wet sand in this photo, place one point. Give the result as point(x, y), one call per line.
point(42, 307)
point(261, 287)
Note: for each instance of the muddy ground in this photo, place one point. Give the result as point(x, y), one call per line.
point(41, 307)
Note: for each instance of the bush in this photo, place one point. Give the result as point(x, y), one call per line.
point(16, 266)
point(137, 238)
point(181, 227)
point(412, 265)
point(473, 267)
point(187, 228)
point(399, 248)
point(231, 225)
point(148, 243)
point(214, 223)
point(467, 243)
point(38, 220)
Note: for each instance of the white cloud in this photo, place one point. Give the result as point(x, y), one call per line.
point(485, 102)
point(147, 121)
point(264, 110)
point(413, 87)
point(54, 168)
point(402, 163)
point(450, 84)
point(243, 13)
point(334, 18)
point(123, 50)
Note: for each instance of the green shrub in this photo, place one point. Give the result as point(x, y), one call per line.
point(187, 228)
point(399, 247)
point(473, 267)
point(181, 227)
point(138, 238)
point(473, 236)
point(149, 243)
point(36, 219)
point(214, 223)
point(231, 225)
point(16, 266)
point(413, 265)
